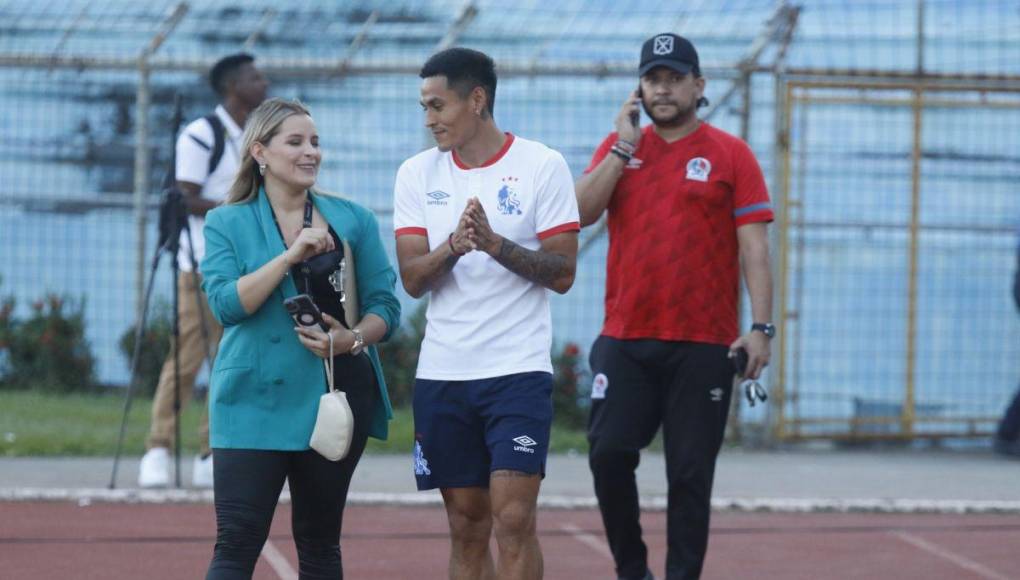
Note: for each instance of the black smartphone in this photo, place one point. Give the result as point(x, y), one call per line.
point(740, 361)
point(304, 311)
point(635, 116)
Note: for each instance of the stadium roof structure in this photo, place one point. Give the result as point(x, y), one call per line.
point(973, 37)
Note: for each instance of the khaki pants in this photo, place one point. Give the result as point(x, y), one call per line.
point(192, 353)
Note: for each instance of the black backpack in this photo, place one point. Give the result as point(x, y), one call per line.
point(219, 141)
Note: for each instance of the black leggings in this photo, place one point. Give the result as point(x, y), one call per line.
point(247, 485)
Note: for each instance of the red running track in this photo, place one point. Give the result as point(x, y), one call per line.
point(159, 542)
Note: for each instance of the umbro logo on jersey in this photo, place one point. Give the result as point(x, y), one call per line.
point(439, 197)
point(717, 394)
point(524, 444)
point(698, 169)
point(634, 163)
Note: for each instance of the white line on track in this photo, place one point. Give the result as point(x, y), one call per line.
point(588, 539)
point(278, 562)
point(961, 561)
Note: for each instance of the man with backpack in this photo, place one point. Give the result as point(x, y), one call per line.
point(208, 152)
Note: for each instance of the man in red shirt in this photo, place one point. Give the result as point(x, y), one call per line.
point(687, 206)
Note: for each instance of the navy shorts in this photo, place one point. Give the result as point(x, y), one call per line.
point(465, 430)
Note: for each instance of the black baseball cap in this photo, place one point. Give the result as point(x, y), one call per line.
point(671, 51)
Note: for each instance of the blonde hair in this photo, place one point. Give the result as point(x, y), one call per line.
point(263, 124)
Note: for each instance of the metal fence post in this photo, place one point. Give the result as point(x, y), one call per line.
point(141, 179)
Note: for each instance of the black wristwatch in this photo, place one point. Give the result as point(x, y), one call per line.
point(766, 328)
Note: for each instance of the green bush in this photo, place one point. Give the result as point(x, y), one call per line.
point(154, 349)
point(48, 350)
point(399, 358)
point(570, 398)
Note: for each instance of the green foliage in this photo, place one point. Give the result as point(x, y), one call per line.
point(48, 350)
point(570, 401)
point(154, 348)
point(399, 358)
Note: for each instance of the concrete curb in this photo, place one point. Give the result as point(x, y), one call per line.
point(87, 496)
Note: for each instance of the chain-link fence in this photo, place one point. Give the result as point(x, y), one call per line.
point(896, 302)
point(86, 92)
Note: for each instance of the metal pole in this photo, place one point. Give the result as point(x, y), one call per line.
point(142, 104)
point(267, 16)
point(784, 100)
point(467, 14)
point(141, 181)
point(745, 110)
point(735, 431)
point(796, 339)
point(910, 396)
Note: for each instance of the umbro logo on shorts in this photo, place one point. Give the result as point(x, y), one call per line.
point(716, 393)
point(524, 444)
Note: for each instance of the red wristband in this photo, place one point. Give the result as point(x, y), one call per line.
point(449, 240)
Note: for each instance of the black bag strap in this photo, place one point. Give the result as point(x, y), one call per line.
point(219, 141)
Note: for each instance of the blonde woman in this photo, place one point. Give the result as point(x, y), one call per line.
point(277, 237)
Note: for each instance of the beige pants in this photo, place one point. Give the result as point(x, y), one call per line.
point(192, 354)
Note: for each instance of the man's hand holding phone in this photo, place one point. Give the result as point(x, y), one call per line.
point(628, 120)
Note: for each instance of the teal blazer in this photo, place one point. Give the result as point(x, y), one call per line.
point(265, 385)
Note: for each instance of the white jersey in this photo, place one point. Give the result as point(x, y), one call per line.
point(194, 148)
point(483, 320)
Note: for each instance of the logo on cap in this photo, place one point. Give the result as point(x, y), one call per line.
point(663, 45)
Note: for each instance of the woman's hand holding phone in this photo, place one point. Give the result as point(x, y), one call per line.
point(315, 340)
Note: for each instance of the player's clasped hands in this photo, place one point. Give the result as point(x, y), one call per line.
point(473, 231)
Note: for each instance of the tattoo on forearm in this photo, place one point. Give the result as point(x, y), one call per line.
point(429, 279)
point(539, 267)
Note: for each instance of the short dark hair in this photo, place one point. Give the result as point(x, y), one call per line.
point(225, 70)
point(464, 70)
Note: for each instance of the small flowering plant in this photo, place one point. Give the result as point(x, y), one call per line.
point(570, 390)
point(48, 349)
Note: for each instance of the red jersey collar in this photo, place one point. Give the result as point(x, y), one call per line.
point(650, 130)
point(490, 161)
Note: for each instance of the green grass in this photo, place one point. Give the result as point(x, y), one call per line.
point(36, 423)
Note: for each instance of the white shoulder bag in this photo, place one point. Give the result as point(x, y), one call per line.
point(334, 425)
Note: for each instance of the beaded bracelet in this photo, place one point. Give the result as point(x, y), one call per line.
point(449, 240)
point(620, 153)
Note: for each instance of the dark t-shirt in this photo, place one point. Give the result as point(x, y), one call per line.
point(349, 372)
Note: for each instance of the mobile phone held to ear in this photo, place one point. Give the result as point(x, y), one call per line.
point(635, 116)
point(304, 311)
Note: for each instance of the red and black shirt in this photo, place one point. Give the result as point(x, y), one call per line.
point(672, 271)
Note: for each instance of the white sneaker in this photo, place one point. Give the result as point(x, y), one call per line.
point(202, 472)
point(154, 469)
